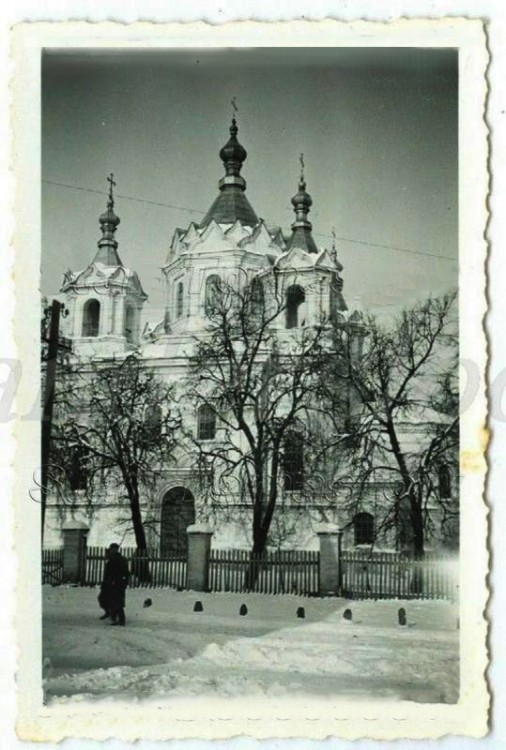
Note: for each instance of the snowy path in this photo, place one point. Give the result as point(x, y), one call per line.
point(168, 650)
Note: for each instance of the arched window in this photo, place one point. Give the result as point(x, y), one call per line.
point(130, 323)
point(293, 462)
point(153, 421)
point(206, 428)
point(257, 297)
point(213, 289)
point(444, 481)
point(363, 524)
point(294, 298)
point(179, 300)
point(335, 297)
point(91, 317)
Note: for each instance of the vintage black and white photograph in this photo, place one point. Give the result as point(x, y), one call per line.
point(249, 481)
point(249, 263)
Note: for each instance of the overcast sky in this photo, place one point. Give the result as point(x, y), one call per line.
point(378, 128)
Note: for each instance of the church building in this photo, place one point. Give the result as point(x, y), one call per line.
point(105, 302)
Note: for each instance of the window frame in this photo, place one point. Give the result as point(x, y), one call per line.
point(129, 332)
point(203, 422)
point(293, 306)
point(444, 481)
point(211, 286)
point(363, 529)
point(179, 299)
point(79, 476)
point(293, 462)
point(153, 419)
point(257, 297)
point(85, 325)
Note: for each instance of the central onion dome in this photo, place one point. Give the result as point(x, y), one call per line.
point(231, 205)
point(233, 154)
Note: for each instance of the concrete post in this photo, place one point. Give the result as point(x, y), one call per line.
point(74, 551)
point(199, 550)
point(330, 537)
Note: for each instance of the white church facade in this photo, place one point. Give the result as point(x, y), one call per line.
point(105, 303)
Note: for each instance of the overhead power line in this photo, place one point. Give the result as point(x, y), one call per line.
point(388, 247)
point(124, 197)
point(199, 211)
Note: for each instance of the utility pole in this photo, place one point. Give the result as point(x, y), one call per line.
point(57, 308)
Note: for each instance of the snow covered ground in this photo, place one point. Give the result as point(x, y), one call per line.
point(168, 649)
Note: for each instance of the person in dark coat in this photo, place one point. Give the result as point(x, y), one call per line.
point(103, 597)
point(103, 601)
point(114, 585)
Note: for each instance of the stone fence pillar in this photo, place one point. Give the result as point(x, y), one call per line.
point(199, 550)
point(74, 551)
point(330, 537)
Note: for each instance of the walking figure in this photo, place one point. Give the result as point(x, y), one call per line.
point(112, 590)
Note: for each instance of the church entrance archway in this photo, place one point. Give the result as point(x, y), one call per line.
point(178, 512)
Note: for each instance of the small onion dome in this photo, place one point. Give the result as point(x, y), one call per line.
point(107, 244)
point(109, 217)
point(233, 154)
point(301, 236)
point(302, 201)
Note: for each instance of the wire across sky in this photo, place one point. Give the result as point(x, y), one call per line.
point(199, 211)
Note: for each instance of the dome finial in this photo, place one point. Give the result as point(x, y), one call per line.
point(302, 201)
point(333, 252)
point(108, 220)
point(235, 109)
point(110, 180)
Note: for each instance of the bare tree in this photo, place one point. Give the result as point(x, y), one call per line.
point(256, 383)
point(402, 426)
point(120, 425)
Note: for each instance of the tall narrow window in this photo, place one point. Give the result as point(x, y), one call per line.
point(363, 525)
point(444, 481)
point(293, 462)
point(294, 298)
point(179, 300)
point(130, 323)
point(78, 479)
point(334, 298)
point(206, 428)
point(257, 298)
point(213, 290)
point(91, 317)
point(153, 421)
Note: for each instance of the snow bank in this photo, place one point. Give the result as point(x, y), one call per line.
point(168, 650)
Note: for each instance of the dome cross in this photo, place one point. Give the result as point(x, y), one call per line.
point(110, 180)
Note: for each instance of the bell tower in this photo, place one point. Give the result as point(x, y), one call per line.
point(106, 298)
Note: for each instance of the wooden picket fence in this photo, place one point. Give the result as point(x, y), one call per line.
point(52, 566)
point(363, 574)
point(147, 568)
point(390, 575)
point(274, 572)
